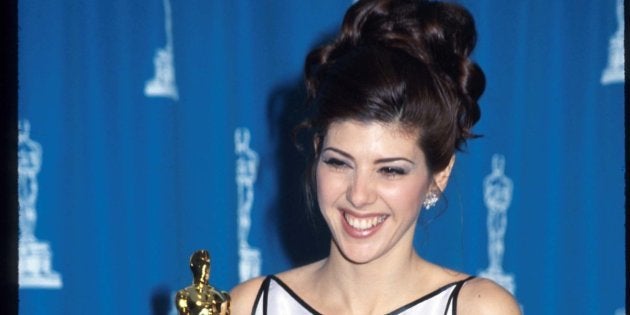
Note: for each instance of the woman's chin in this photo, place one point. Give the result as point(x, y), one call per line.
point(359, 254)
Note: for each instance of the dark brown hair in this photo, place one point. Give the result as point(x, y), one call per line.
point(399, 61)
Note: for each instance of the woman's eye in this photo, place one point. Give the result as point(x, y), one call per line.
point(336, 163)
point(393, 171)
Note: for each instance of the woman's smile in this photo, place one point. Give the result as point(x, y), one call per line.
point(362, 226)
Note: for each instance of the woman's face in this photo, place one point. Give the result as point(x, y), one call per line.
point(371, 181)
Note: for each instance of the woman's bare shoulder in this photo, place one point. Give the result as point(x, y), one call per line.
point(244, 295)
point(480, 296)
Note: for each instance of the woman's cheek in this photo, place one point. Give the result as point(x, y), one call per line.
point(328, 183)
point(407, 194)
point(321, 191)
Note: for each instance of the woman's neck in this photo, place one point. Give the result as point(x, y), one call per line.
point(369, 286)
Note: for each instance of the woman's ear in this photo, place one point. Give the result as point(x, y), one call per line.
point(317, 144)
point(440, 179)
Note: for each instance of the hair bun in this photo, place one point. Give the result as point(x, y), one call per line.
point(442, 35)
point(439, 35)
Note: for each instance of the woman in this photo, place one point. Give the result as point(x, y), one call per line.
point(393, 98)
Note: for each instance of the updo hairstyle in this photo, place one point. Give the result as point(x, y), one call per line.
point(399, 61)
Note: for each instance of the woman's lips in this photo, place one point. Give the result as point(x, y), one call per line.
point(362, 226)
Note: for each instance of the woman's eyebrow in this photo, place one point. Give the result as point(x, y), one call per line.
point(345, 154)
point(393, 159)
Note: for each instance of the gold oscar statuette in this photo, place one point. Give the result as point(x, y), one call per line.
point(201, 298)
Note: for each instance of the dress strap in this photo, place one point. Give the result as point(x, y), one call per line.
point(262, 295)
point(453, 298)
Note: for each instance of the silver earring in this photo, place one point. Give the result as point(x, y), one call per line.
point(430, 200)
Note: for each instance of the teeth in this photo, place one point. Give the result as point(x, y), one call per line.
point(364, 224)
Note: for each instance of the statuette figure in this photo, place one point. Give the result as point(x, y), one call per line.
point(201, 298)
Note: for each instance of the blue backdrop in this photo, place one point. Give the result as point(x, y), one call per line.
point(152, 128)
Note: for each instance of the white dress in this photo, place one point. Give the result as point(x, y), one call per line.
point(275, 298)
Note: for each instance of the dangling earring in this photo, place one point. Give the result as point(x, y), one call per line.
point(430, 200)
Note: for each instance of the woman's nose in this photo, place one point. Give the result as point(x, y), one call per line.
point(361, 190)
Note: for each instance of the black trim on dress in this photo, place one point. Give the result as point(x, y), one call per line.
point(428, 296)
point(295, 296)
point(264, 288)
point(455, 294)
point(264, 293)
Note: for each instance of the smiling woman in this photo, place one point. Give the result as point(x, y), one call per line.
point(371, 181)
point(394, 96)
